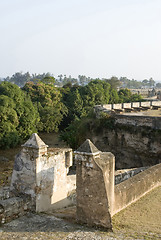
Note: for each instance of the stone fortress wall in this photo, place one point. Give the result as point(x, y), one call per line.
point(138, 121)
point(39, 180)
point(127, 107)
point(135, 187)
point(134, 138)
point(42, 174)
point(129, 119)
point(122, 175)
point(96, 190)
point(40, 183)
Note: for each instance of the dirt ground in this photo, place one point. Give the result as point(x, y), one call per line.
point(155, 113)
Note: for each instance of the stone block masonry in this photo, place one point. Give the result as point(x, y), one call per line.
point(126, 107)
point(134, 188)
point(94, 190)
point(138, 121)
point(123, 175)
point(42, 174)
point(52, 188)
point(97, 197)
point(14, 207)
point(39, 181)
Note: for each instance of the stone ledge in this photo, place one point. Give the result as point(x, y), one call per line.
point(14, 207)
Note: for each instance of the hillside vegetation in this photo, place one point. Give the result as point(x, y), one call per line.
point(40, 106)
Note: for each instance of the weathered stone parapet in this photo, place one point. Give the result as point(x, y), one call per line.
point(15, 207)
point(125, 174)
point(26, 166)
point(107, 164)
point(41, 173)
point(93, 173)
point(134, 188)
point(97, 197)
point(51, 178)
point(126, 107)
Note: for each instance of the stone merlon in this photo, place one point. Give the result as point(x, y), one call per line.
point(34, 142)
point(87, 148)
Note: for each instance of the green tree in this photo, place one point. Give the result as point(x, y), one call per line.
point(96, 92)
point(80, 101)
point(19, 78)
point(18, 116)
point(114, 98)
point(124, 95)
point(114, 82)
point(136, 98)
point(48, 80)
point(151, 82)
point(145, 82)
point(75, 105)
point(48, 100)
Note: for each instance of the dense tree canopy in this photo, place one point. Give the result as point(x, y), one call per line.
point(41, 106)
point(81, 100)
point(125, 95)
point(20, 79)
point(96, 92)
point(47, 98)
point(128, 83)
point(18, 117)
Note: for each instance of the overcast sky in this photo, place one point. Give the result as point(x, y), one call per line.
point(96, 38)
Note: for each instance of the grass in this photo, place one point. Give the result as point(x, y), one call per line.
point(142, 217)
point(6, 166)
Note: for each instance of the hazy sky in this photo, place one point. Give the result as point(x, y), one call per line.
point(96, 38)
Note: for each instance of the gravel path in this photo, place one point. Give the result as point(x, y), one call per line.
point(46, 227)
